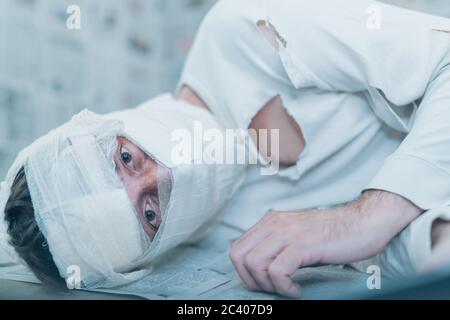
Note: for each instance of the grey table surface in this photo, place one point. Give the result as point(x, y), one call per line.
point(201, 271)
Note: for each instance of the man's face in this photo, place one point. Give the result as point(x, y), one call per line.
point(138, 173)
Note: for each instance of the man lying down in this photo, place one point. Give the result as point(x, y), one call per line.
point(362, 114)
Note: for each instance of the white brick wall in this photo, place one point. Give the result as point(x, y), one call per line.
point(126, 52)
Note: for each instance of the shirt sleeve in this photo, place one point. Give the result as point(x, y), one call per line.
point(400, 56)
point(419, 169)
point(354, 46)
point(410, 251)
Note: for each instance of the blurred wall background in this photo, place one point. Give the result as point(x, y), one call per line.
point(126, 52)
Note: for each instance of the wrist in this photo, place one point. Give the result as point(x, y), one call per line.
point(386, 214)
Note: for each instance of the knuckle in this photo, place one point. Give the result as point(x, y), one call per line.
point(274, 216)
point(234, 255)
point(249, 262)
point(252, 263)
point(274, 272)
point(235, 243)
point(268, 215)
point(233, 246)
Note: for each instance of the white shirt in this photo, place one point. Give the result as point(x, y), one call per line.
point(353, 90)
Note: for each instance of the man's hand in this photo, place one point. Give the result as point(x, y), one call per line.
point(269, 253)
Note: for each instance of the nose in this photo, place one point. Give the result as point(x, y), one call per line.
point(142, 184)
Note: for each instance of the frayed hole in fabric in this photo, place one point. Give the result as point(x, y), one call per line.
point(271, 33)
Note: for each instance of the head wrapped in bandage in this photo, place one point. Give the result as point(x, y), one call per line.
point(80, 203)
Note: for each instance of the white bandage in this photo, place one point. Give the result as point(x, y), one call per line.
point(83, 209)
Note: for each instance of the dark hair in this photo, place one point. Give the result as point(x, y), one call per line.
point(26, 237)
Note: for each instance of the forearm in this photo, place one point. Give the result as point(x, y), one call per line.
point(372, 220)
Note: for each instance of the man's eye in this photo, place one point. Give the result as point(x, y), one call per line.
point(150, 216)
point(126, 157)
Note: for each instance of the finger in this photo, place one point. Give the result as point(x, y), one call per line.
point(245, 276)
point(240, 249)
point(238, 254)
point(258, 260)
point(281, 270)
point(243, 273)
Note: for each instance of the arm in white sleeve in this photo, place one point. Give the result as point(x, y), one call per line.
point(411, 250)
point(333, 47)
point(419, 169)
